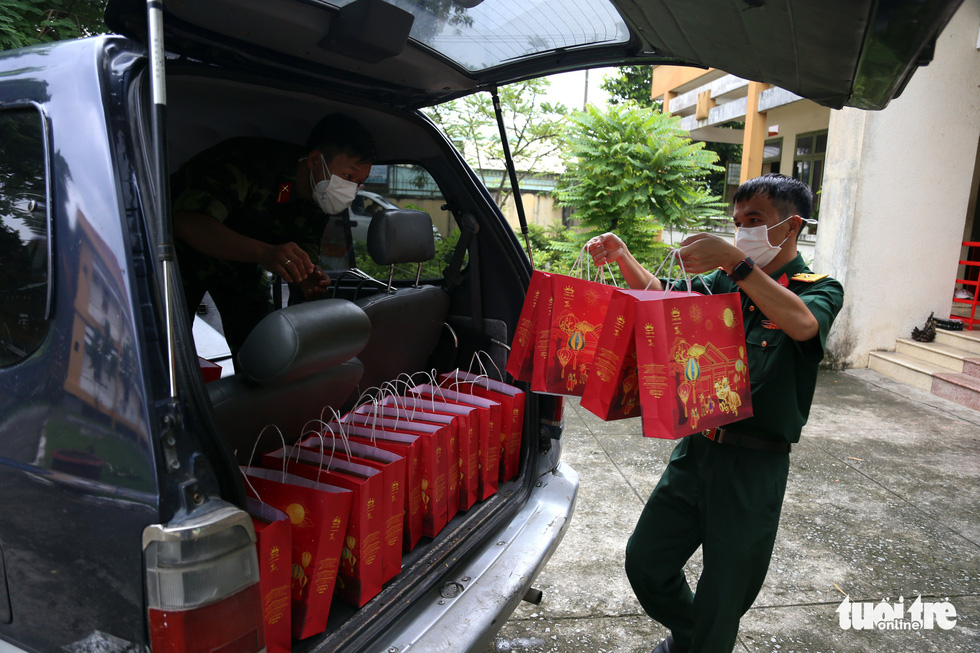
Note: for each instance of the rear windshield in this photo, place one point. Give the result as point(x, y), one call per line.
point(493, 33)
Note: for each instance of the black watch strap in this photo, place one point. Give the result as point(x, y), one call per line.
point(742, 270)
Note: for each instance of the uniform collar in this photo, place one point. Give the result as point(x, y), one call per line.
point(795, 266)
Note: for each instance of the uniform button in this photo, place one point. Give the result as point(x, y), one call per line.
point(751, 308)
point(764, 343)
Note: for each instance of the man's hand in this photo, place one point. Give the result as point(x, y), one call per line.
point(288, 260)
point(606, 248)
point(316, 285)
point(610, 248)
point(706, 252)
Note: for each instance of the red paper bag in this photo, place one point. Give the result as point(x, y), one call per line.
point(567, 337)
point(468, 439)
point(272, 530)
point(210, 371)
point(511, 400)
point(359, 578)
point(488, 416)
point(434, 449)
point(393, 469)
point(612, 391)
point(521, 358)
point(409, 446)
point(693, 369)
point(391, 409)
point(318, 514)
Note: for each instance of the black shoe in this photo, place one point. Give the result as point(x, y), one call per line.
point(668, 646)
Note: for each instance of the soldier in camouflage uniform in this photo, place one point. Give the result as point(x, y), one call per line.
point(248, 207)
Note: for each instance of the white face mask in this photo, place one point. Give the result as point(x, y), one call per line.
point(334, 194)
point(754, 241)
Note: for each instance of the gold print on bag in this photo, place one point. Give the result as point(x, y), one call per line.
point(347, 553)
point(425, 495)
point(574, 341)
point(709, 381)
point(729, 401)
point(300, 578)
point(297, 515)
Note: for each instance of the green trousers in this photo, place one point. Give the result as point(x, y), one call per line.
point(726, 500)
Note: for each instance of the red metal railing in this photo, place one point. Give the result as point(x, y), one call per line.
point(970, 282)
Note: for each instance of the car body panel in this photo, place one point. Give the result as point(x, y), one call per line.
point(835, 52)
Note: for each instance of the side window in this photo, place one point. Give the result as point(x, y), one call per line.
point(23, 235)
point(402, 186)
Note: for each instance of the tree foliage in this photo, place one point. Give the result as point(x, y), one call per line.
point(631, 83)
point(27, 22)
point(635, 82)
point(634, 171)
point(534, 130)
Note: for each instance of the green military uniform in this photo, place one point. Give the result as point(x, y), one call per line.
point(249, 185)
point(727, 498)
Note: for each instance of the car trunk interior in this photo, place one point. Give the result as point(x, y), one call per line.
point(203, 111)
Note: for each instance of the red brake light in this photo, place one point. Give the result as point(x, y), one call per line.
point(202, 582)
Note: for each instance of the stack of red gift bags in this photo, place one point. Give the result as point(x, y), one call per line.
point(675, 358)
point(335, 511)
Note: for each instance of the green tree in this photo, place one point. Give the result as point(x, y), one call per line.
point(26, 22)
point(534, 129)
point(635, 82)
point(631, 83)
point(635, 172)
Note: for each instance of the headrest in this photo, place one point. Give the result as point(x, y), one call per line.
point(300, 340)
point(401, 236)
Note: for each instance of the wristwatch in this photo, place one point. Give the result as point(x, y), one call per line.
point(741, 270)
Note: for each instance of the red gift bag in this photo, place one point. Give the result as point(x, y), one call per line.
point(468, 440)
point(521, 358)
point(693, 369)
point(567, 336)
point(393, 469)
point(318, 515)
point(359, 578)
point(409, 446)
point(434, 449)
point(389, 408)
point(209, 370)
point(612, 391)
point(272, 530)
point(488, 420)
point(511, 400)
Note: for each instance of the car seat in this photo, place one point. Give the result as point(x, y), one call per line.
point(407, 322)
point(295, 362)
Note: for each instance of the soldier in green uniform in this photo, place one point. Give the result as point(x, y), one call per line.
point(723, 489)
point(248, 207)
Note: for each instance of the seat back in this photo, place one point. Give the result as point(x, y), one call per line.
point(406, 323)
point(296, 362)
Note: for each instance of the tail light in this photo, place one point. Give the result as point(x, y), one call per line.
point(202, 584)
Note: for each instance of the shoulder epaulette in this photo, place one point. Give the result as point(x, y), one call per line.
point(808, 277)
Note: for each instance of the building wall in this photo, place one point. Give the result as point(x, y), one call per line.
point(797, 118)
point(896, 195)
point(539, 208)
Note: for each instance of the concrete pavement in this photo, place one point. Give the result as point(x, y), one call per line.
point(883, 503)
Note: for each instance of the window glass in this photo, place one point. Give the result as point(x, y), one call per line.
point(772, 150)
point(804, 145)
point(23, 235)
point(392, 186)
point(481, 35)
point(820, 143)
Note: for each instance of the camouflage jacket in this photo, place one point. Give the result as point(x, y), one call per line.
point(249, 185)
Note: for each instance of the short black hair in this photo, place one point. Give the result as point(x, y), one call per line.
point(789, 196)
point(340, 134)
